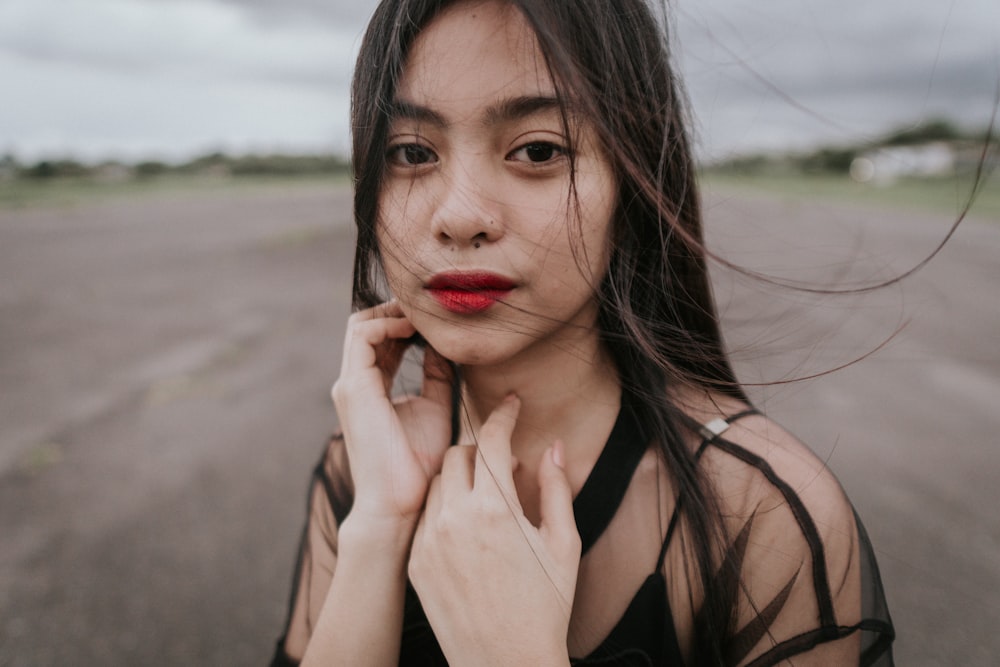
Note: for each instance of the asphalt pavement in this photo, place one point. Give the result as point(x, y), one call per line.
point(165, 364)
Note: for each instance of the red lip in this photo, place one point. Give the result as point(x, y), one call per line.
point(468, 292)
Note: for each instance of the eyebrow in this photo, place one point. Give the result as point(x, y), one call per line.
point(514, 108)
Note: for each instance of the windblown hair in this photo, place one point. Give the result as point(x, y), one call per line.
point(610, 61)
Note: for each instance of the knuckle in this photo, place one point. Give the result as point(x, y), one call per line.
point(447, 524)
point(447, 529)
point(360, 322)
point(360, 328)
point(493, 507)
point(357, 316)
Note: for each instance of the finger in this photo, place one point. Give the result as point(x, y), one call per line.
point(364, 336)
point(438, 377)
point(390, 308)
point(558, 525)
point(493, 467)
point(457, 471)
point(389, 353)
point(433, 503)
point(413, 566)
point(363, 375)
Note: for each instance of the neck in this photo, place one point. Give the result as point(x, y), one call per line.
point(568, 392)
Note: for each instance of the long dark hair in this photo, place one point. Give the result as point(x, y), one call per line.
point(657, 318)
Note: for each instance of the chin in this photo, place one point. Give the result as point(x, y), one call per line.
point(466, 346)
point(469, 352)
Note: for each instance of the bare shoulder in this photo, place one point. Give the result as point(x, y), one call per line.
point(798, 528)
point(787, 469)
point(793, 541)
point(759, 469)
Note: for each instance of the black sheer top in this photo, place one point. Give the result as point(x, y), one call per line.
point(808, 586)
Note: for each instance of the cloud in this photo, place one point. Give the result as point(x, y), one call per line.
point(127, 77)
point(789, 73)
point(113, 75)
point(180, 38)
point(332, 12)
point(95, 114)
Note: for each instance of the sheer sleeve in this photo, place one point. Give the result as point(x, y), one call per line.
point(330, 496)
point(808, 587)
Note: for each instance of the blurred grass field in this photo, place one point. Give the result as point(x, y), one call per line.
point(71, 192)
point(947, 196)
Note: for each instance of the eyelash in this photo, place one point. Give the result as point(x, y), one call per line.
point(414, 156)
point(401, 155)
point(556, 152)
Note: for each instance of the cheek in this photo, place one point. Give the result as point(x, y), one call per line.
point(392, 212)
point(405, 211)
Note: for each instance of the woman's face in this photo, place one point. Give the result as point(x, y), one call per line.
point(485, 241)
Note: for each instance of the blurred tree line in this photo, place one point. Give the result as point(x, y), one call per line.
point(213, 164)
point(825, 159)
point(838, 159)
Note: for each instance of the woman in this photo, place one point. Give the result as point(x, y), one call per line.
point(527, 213)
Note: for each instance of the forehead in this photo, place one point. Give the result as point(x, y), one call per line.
point(471, 54)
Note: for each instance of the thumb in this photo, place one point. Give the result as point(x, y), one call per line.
point(558, 525)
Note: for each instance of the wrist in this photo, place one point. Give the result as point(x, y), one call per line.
point(374, 534)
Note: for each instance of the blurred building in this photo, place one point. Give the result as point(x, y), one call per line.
point(888, 164)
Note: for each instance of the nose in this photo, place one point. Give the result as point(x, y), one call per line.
point(468, 212)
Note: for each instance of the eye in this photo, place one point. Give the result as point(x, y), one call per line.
point(537, 152)
point(411, 155)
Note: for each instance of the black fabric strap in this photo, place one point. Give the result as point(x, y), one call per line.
point(602, 493)
point(824, 598)
point(677, 508)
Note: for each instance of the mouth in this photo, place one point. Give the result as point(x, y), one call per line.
point(468, 292)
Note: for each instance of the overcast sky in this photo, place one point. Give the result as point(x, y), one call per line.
point(168, 79)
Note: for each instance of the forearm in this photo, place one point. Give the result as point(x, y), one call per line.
point(362, 617)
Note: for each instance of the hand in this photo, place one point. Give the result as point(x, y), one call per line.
point(496, 589)
point(394, 448)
